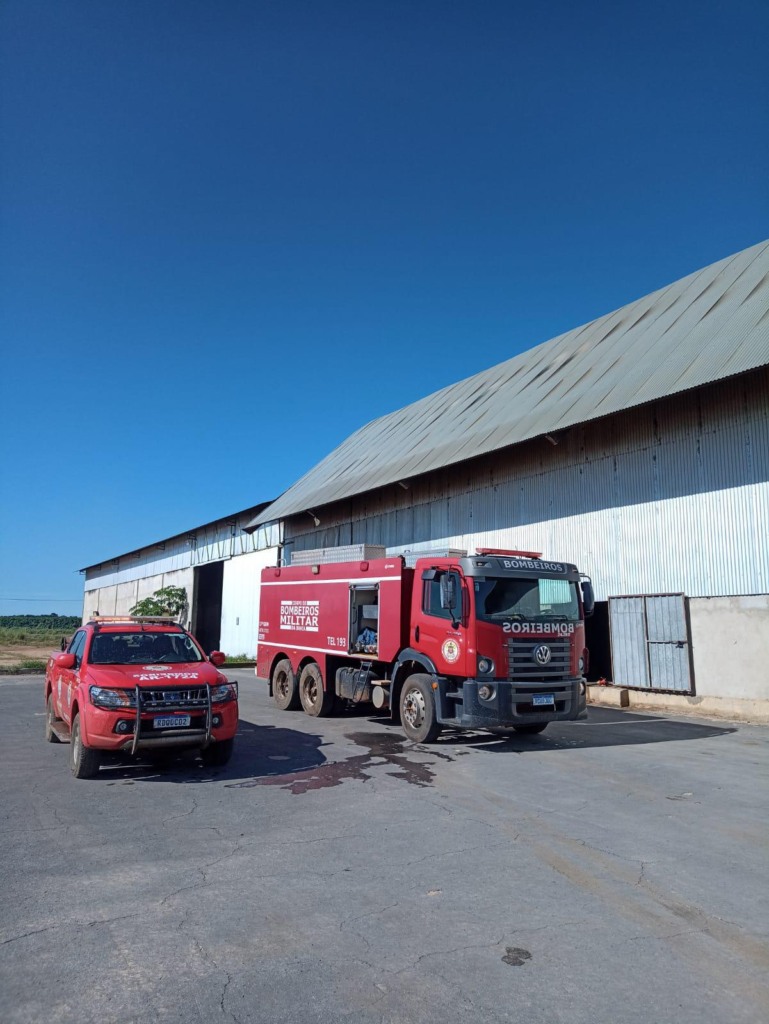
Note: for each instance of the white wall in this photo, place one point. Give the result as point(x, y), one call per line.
point(240, 601)
point(730, 646)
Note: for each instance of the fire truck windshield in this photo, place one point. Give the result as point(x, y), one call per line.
point(534, 600)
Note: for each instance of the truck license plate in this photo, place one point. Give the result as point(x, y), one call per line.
point(172, 722)
point(543, 698)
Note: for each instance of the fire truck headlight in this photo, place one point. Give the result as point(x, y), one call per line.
point(485, 692)
point(485, 666)
point(582, 664)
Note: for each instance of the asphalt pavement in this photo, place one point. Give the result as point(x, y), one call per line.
point(610, 871)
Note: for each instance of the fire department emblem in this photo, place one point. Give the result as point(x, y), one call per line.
point(542, 654)
point(450, 651)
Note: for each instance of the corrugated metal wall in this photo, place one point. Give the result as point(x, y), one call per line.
point(119, 598)
point(115, 587)
point(211, 543)
point(670, 497)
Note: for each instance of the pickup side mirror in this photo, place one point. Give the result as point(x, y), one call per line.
point(588, 598)
point(65, 661)
point(217, 658)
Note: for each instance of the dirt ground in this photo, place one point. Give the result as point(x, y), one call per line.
point(12, 654)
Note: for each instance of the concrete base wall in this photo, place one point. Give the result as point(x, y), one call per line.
point(733, 708)
point(730, 647)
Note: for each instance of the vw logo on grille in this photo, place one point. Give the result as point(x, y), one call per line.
point(542, 654)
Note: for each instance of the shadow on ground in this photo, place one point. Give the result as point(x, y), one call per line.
point(293, 760)
point(261, 751)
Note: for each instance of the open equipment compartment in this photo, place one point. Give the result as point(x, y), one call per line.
point(364, 618)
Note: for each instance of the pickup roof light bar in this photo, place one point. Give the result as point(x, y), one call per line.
point(502, 551)
point(139, 620)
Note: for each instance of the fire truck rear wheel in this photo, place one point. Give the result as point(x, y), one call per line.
point(417, 705)
point(285, 691)
point(531, 729)
point(315, 700)
point(84, 761)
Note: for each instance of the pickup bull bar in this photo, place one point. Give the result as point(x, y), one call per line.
point(171, 705)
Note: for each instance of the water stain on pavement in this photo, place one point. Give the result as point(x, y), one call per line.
point(382, 749)
point(515, 956)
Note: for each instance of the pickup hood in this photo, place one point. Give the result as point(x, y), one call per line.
point(153, 677)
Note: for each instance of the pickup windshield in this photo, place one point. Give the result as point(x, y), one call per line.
point(143, 649)
point(529, 600)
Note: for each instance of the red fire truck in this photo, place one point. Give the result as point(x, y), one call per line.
point(486, 641)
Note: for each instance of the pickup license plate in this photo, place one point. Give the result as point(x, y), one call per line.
point(172, 722)
point(542, 698)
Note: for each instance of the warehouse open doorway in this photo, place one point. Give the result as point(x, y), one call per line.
point(207, 605)
point(598, 643)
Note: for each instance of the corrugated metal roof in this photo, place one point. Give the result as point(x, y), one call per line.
point(707, 326)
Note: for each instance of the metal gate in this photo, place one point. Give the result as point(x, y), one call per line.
point(650, 642)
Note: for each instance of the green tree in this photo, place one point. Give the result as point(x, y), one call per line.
point(166, 601)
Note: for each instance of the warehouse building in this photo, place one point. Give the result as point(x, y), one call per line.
point(219, 566)
point(636, 446)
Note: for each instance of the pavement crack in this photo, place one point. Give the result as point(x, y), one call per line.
point(110, 920)
point(184, 814)
point(222, 1007)
point(362, 917)
point(450, 952)
point(184, 888)
point(26, 935)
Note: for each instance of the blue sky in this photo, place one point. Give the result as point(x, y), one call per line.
point(233, 232)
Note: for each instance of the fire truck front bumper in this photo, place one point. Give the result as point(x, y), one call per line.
point(501, 703)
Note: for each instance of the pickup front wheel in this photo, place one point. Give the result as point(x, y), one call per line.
point(84, 761)
point(50, 718)
point(418, 716)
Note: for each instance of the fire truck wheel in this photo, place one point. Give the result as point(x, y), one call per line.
point(418, 709)
point(531, 729)
point(315, 700)
point(285, 691)
point(50, 718)
point(84, 761)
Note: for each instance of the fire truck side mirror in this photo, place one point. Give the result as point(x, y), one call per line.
point(448, 591)
point(588, 598)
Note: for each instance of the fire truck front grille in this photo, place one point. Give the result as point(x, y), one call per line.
point(174, 697)
point(524, 663)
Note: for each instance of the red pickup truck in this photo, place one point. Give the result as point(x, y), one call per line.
point(138, 684)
